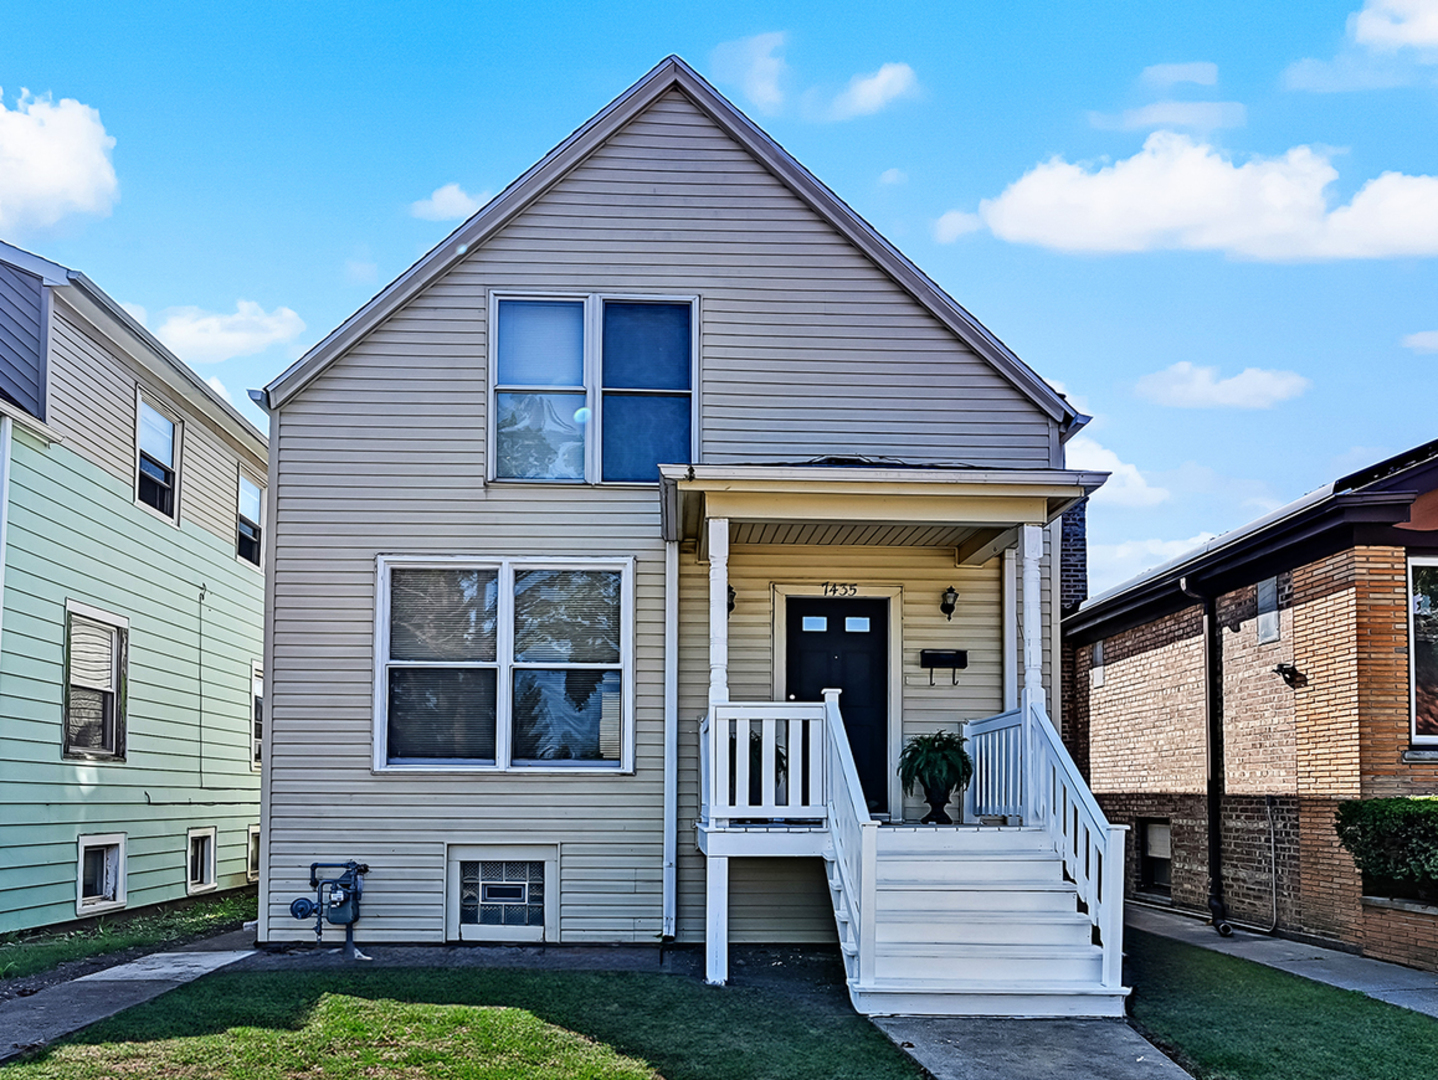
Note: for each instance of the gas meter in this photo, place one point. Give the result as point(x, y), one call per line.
point(337, 900)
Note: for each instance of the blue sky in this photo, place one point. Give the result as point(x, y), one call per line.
point(1215, 226)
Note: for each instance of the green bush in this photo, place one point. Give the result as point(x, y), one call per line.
point(1395, 844)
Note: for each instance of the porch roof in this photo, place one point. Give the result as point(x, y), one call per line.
point(975, 511)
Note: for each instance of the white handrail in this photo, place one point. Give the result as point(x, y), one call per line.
point(765, 760)
point(854, 834)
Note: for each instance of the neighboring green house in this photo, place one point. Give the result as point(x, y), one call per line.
point(132, 590)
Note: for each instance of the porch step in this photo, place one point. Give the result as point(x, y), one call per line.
point(980, 927)
point(1004, 964)
point(961, 839)
point(963, 870)
point(947, 899)
point(946, 997)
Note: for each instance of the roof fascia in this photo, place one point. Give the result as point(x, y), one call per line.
point(51, 273)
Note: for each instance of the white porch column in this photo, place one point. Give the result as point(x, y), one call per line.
point(1033, 552)
point(718, 612)
point(716, 920)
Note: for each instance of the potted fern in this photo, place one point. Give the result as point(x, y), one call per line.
point(938, 763)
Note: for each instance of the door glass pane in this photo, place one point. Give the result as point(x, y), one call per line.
point(1425, 651)
point(541, 343)
point(854, 625)
point(567, 616)
point(642, 432)
point(441, 713)
point(562, 716)
point(814, 623)
point(646, 346)
point(443, 614)
point(157, 436)
point(540, 436)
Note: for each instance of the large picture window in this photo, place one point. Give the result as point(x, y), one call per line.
point(592, 389)
point(1423, 648)
point(504, 664)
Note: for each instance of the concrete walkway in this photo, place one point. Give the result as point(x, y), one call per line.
point(32, 1021)
point(1397, 985)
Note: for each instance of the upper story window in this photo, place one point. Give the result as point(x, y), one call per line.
point(1268, 610)
point(1096, 668)
point(95, 663)
point(157, 460)
point(594, 389)
point(248, 517)
point(1423, 648)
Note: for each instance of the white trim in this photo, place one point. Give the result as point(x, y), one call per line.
point(592, 373)
point(671, 735)
point(173, 416)
point(82, 843)
point(242, 472)
point(1414, 739)
point(252, 842)
point(503, 664)
point(86, 611)
point(211, 882)
point(545, 853)
point(781, 591)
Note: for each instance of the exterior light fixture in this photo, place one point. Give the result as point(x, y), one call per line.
point(1291, 675)
point(949, 602)
point(732, 597)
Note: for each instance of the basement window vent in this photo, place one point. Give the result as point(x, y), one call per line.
point(495, 893)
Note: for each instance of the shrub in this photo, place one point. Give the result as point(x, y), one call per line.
point(1395, 844)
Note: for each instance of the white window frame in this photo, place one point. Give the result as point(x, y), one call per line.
point(211, 882)
point(252, 843)
point(593, 379)
point(1267, 623)
point(482, 852)
point(1415, 740)
point(242, 474)
point(257, 675)
point(121, 625)
point(94, 840)
point(173, 416)
point(503, 663)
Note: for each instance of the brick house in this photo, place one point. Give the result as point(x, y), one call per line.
point(1295, 656)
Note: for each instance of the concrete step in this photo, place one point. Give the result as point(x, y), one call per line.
point(985, 928)
point(1005, 964)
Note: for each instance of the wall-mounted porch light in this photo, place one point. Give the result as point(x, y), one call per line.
point(1291, 675)
point(949, 602)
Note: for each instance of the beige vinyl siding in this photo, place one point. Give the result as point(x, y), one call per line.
point(780, 901)
point(92, 407)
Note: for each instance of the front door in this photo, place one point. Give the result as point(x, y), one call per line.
point(845, 644)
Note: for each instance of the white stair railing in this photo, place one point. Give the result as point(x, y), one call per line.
point(855, 837)
point(995, 744)
point(764, 760)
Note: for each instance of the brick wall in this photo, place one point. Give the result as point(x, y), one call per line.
point(1187, 816)
point(1404, 937)
point(1249, 860)
point(1259, 745)
point(1073, 558)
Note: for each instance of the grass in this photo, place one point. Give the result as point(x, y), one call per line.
point(386, 1024)
point(31, 952)
point(1231, 1019)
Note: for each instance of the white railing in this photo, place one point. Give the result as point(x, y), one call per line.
point(764, 761)
point(1044, 787)
point(855, 837)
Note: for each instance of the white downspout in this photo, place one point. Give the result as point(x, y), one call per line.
point(671, 730)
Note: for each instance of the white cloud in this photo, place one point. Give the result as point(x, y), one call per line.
point(54, 162)
point(1127, 487)
point(1425, 341)
point(448, 203)
point(136, 312)
point(218, 387)
point(868, 94)
point(1202, 72)
point(954, 224)
point(207, 337)
point(1385, 25)
point(361, 271)
point(1389, 43)
point(1180, 194)
point(1185, 386)
point(893, 176)
point(1199, 115)
point(1113, 564)
point(756, 65)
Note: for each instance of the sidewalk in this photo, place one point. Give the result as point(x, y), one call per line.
point(1397, 985)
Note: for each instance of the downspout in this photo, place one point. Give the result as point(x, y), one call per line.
point(671, 735)
point(1213, 714)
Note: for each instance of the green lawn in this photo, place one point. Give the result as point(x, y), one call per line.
point(30, 952)
point(1230, 1019)
point(385, 1024)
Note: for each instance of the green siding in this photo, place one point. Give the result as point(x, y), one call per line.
point(75, 533)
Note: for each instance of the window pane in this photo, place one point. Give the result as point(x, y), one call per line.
point(1425, 651)
point(92, 654)
point(540, 436)
point(249, 500)
point(442, 614)
point(643, 431)
point(646, 346)
point(441, 713)
point(247, 541)
point(93, 878)
point(568, 616)
point(89, 721)
point(157, 486)
point(157, 436)
point(541, 343)
point(566, 716)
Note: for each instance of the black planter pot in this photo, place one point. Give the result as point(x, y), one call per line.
point(937, 798)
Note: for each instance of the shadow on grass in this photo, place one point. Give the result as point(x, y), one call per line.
point(677, 1026)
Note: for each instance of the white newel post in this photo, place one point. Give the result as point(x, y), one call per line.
point(1032, 552)
point(718, 611)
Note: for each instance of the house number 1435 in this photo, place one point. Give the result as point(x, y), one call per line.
point(841, 588)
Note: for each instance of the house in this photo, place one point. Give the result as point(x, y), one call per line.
point(664, 453)
point(1223, 704)
point(131, 525)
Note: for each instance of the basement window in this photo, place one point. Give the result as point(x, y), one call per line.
point(201, 862)
point(100, 874)
point(1156, 857)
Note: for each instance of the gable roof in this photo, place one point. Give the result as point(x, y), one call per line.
point(674, 73)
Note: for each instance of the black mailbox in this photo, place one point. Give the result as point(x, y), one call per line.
point(954, 660)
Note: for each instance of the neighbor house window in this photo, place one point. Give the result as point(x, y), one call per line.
point(592, 389)
point(1096, 669)
point(1423, 648)
point(507, 664)
point(200, 873)
point(100, 874)
point(257, 715)
point(252, 859)
point(1267, 610)
point(157, 456)
point(95, 683)
point(248, 516)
